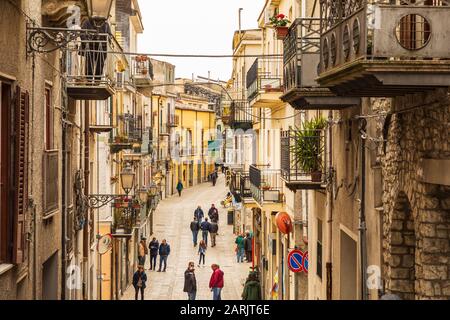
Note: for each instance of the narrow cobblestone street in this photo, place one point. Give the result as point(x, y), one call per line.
point(171, 222)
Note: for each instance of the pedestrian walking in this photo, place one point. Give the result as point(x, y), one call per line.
point(139, 282)
point(179, 187)
point(252, 288)
point(213, 214)
point(198, 213)
point(216, 282)
point(190, 283)
point(205, 230)
point(194, 228)
point(214, 178)
point(154, 247)
point(142, 251)
point(201, 252)
point(164, 251)
point(248, 247)
point(239, 248)
point(213, 228)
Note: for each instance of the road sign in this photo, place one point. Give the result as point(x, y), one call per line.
point(305, 262)
point(296, 261)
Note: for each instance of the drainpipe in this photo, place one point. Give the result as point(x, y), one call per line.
point(362, 217)
point(63, 199)
point(329, 269)
point(86, 192)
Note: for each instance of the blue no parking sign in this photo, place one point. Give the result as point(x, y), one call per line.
point(298, 261)
point(295, 261)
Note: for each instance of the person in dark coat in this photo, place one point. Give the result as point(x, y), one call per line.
point(252, 288)
point(190, 283)
point(179, 187)
point(205, 230)
point(198, 214)
point(214, 178)
point(213, 229)
point(213, 214)
point(248, 247)
point(154, 247)
point(139, 282)
point(164, 251)
point(194, 228)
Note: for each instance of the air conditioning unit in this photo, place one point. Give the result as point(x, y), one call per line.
point(120, 80)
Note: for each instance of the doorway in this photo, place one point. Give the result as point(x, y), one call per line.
point(50, 278)
point(348, 266)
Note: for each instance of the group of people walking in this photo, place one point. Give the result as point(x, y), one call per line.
point(154, 249)
point(244, 247)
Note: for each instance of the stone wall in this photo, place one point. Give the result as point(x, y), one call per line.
point(416, 221)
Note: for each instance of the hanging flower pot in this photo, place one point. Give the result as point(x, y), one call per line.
point(282, 32)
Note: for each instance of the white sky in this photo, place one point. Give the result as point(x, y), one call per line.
point(195, 27)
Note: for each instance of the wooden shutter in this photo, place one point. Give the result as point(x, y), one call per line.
point(21, 169)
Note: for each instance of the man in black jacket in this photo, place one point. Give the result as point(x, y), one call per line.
point(154, 247)
point(205, 226)
point(194, 228)
point(248, 247)
point(213, 228)
point(164, 251)
point(198, 214)
point(190, 283)
point(213, 214)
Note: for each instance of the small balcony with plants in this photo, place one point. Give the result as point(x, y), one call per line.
point(94, 63)
point(142, 71)
point(126, 213)
point(127, 134)
point(265, 83)
point(265, 184)
point(241, 116)
point(303, 156)
point(301, 57)
point(384, 48)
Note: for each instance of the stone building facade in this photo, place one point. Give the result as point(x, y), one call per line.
point(416, 237)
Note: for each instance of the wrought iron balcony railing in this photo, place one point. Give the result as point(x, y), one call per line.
point(303, 158)
point(301, 61)
point(127, 132)
point(384, 47)
point(241, 116)
point(94, 63)
point(125, 217)
point(245, 185)
point(265, 76)
point(265, 184)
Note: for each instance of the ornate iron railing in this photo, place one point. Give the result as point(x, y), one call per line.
point(241, 115)
point(265, 184)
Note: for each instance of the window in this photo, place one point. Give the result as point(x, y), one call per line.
point(48, 109)
point(13, 173)
point(319, 248)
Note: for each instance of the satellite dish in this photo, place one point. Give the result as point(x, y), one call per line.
point(104, 244)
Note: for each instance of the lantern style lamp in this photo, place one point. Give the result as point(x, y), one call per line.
point(143, 195)
point(99, 9)
point(127, 179)
point(153, 190)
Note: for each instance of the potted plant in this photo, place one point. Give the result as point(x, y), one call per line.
point(308, 148)
point(280, 22)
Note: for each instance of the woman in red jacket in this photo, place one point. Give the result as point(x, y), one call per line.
point(216, 281)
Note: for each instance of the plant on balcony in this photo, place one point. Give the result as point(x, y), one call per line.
point(308, 148)
point(280, 23)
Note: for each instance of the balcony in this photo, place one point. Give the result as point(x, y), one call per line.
point(128, 134)
point(303, 159)
point(142, 71)
point(125, 214)
point(384, 48)
point(94, 62)
point(265, 185)
point(245, 185)
point(301, 58)
point(241, 116)
point(265, 83)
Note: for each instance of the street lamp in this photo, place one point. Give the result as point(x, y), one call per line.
point(143, 195)
point(153, 190)
point(99, 9)
point(127, 179)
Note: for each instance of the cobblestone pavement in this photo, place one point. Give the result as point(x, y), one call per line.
point(171, 221)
